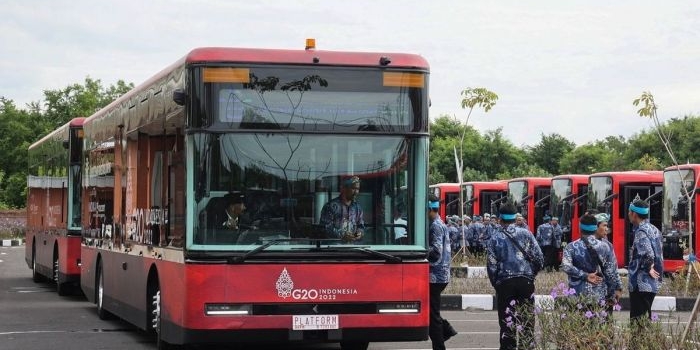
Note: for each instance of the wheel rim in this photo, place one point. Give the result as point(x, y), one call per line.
point(155, 320)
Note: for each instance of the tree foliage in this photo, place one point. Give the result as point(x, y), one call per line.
point(19, 128)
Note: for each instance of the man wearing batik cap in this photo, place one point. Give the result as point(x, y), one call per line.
point(439, 257)
point(342, 216)
point(558, 236)
point(513, 259)
point(590, 264)
point(646, 261)
point(547, 242)
point(474, 233)
point(615, 285)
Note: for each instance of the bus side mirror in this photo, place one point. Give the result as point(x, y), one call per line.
point(179, 97)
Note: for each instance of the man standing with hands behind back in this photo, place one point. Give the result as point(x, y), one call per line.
point(342, 217)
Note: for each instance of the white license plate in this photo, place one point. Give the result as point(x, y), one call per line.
point(310, 322)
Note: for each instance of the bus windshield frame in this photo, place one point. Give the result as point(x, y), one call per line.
point(560, 206)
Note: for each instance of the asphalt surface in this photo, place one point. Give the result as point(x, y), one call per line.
point(33, 316)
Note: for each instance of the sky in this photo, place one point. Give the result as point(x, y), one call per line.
point(566, 67)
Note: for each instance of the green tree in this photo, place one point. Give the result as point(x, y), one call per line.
point(15, 136)
point(549, 151)
point(586, 159)
point(79, 100)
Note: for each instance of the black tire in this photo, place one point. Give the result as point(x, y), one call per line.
point(156, 324)
point(36, 277)
point(354, 345)
point(61, 288)
point(102, 313)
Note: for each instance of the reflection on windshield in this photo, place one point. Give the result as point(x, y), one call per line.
point(517, 191)
point(254, 188)
point(675, 220)
point(598, 191)
point(468, 200)
point(561, 189)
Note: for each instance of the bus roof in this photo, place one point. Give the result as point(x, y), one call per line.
point(75, 122)
point(325, 58)
point(683, 167)
point(633, 175)
point(534, 180)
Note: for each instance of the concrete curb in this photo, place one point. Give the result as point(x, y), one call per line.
point(11, 242)
point(488, 302)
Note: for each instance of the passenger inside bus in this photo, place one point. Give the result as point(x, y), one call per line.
point(228, 219)
point(342, 217)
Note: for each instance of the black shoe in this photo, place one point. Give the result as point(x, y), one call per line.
point(447, 330)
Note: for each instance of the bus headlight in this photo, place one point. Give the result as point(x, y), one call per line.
point(410, 307)
point(227, 309)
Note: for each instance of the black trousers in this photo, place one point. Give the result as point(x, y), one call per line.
point(435, 328)
point(550, 257)
point(640, 304)
point(520, 291)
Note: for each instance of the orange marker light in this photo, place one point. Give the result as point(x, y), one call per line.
point(401, 79)
point(226, 75)
point(310, 44)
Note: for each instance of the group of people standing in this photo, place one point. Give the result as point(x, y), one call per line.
point(515, 256)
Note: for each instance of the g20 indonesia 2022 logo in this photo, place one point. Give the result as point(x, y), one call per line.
point(285, 289)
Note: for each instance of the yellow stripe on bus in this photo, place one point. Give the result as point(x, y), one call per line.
point(401, 79)
point(226, 75)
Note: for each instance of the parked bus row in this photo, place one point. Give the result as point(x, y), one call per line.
point(568, 197)
point(130, 202)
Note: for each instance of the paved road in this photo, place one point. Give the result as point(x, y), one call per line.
point(33, 316)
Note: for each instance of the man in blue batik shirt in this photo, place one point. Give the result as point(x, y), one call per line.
point(646, 261)
point(342, 216)
point(592, 272)
point(439, 256)
point(513, 259)
point(549, 238)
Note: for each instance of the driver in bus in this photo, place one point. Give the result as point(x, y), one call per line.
point(342, 216)
point(233, 217)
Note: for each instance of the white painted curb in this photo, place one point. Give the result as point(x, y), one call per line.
point(664, 304)
point(477, 301)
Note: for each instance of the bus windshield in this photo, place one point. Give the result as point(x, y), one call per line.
point(517, 193)
point(561, 208)
point(469, 200)
point(284, 181)
point(675, 217)
point(599, 193)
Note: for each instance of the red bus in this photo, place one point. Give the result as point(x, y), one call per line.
point(449, 197)
point(53, 231)
point(531, 196)
point(282, 129)
point(612, 193)
point(676, 220)
point(567, 202)
point(482, 197)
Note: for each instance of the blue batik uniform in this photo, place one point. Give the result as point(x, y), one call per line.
point(338, 218)
point(440, 253)
point(505, 261)
point(577, 263)
point(545, 235)
point(455, 239)
point(646, 252)
point(616, 284)
point(558, 234)
point(474, 233)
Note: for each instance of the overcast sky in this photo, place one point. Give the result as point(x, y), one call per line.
point(567, 67)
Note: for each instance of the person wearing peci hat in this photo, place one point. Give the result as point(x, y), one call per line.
point(513, 259)
point(615, 287)
point(342, 217)
point(590, 265)
point(547, 239)
point(439, 258)
point(233, 215)
point(645, 262)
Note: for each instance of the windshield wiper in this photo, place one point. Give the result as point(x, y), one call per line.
point(242, 258)
point(362, 249)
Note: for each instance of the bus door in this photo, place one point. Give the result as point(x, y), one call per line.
point(487, 199)
point(542, 206)
point(631, 193)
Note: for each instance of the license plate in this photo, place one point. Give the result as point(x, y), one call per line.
point(310, 322)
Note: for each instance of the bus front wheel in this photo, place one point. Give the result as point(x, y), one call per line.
point(102, 313)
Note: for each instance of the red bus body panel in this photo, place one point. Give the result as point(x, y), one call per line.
point(449, 198)
point(481, 186)
point(618, 217)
